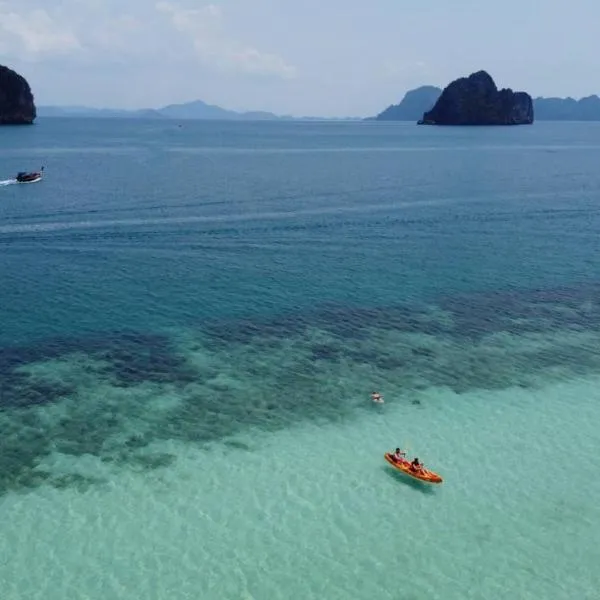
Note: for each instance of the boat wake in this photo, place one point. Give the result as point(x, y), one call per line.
point(7, 182)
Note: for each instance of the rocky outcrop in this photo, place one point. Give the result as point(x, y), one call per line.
point(412, 106)
point(475, 100)
point(16, 100)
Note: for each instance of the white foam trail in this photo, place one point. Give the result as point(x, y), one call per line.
point(271, 216)
point(7, 182)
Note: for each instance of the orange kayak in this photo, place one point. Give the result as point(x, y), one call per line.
point(424, 475)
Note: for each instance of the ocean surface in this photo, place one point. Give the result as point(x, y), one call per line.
point(193, 317)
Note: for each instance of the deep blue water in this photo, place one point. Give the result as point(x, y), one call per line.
point(145, 225)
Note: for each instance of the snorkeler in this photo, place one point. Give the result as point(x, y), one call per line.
point(377, 397)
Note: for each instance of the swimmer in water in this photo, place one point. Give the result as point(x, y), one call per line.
point(377, 397)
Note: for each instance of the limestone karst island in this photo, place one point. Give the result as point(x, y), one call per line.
point(475, 100)
point(16, 100)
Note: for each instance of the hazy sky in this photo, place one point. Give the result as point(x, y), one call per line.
point(301, 57)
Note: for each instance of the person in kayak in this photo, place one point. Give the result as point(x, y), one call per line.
point(416, 466)
point(399, 455)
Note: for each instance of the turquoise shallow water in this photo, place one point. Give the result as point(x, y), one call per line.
point(192, 319)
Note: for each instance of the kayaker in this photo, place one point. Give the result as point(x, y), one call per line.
point(377, 397)
point(416, 466)
point(399, 456)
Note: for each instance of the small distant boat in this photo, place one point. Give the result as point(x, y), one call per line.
point(24, 177)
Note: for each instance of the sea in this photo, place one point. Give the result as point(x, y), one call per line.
point(193, 317)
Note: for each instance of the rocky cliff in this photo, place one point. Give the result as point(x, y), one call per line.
point(475, 100)
point(16, 100)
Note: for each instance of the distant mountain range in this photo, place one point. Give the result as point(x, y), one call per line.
point(188, 110)
point(411, 108)
point(420, 100)
point(567, 109)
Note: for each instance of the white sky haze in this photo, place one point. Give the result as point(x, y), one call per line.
point(303, 57)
